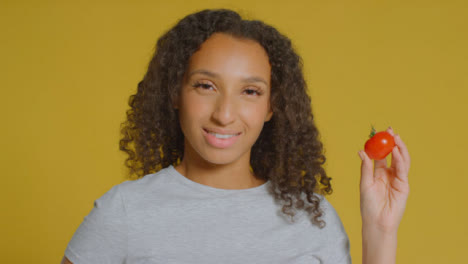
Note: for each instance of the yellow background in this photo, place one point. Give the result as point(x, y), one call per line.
point(68, 68)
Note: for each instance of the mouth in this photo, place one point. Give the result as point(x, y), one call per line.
point(222, 135)
point(221, 140)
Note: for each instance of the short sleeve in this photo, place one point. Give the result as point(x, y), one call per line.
point(337, 243)
point(102, 236)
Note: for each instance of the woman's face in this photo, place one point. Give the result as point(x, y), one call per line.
point(225, 99)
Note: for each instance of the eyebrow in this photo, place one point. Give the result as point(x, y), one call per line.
point(250, 79)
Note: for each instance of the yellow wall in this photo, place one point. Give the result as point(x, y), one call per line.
point(67, 70)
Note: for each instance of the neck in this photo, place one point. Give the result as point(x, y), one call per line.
point(236, 175)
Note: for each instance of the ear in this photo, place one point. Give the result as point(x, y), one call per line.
point(175, 103)
point(269, 115)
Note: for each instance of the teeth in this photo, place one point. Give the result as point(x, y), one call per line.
point(221, 135)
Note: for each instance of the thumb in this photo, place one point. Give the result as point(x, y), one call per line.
point(367, 177)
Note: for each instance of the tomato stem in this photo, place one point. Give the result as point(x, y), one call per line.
point(372, 132)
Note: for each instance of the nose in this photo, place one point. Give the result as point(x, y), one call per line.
point(225, 110)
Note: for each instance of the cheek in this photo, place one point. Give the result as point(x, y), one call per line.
point(193, 108)
point(254, 114)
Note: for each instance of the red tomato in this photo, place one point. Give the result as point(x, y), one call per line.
point(379, 145)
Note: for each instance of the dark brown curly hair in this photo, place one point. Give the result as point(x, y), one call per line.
point(288, 151)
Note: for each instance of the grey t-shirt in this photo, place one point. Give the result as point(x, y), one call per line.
point(167, 218)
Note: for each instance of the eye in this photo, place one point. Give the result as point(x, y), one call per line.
point(204, 86)
point(252, 92)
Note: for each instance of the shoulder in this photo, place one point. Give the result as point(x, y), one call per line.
point(336, 241)
point(330, 217)
point(334, 229)
point(135, 190)
point(329, 214)
point(145, 183)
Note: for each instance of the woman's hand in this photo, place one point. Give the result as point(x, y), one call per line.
point(384, 190)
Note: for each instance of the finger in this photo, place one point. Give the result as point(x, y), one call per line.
point(400, 166)
point(367, 174)
point(391, 132)
point(380, 163)
point(403, 149)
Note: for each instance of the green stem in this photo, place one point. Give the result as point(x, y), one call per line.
point(372, 132)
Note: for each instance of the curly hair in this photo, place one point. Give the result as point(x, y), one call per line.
point(288, 151)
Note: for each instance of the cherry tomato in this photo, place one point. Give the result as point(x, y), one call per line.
point(379, 145)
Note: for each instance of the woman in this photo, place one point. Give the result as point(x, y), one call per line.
point(222, 132)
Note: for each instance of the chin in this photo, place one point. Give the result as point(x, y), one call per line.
point(220, 159)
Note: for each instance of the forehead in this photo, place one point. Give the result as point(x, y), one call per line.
point(231, 56)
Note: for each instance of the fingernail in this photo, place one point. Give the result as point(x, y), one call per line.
point(390, 128)
point(359, 153)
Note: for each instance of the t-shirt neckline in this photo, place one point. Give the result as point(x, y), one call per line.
point(206, 188)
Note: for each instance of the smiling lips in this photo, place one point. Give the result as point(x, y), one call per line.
point(220, 140)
